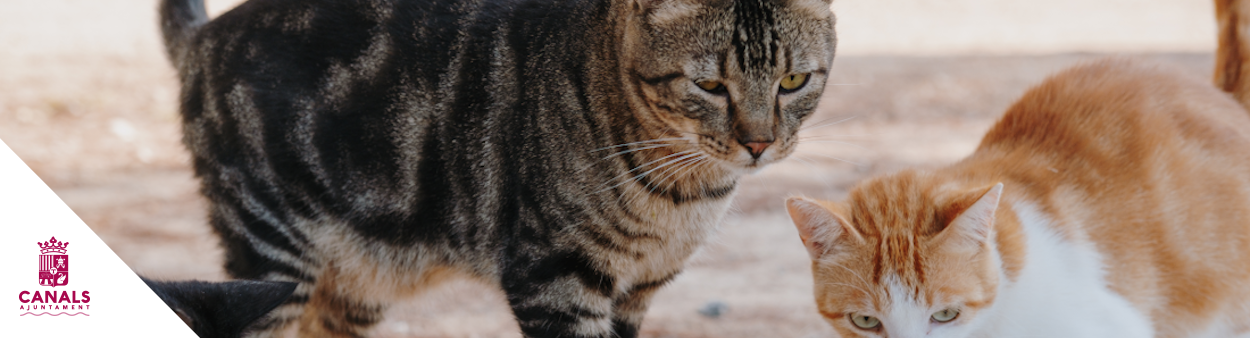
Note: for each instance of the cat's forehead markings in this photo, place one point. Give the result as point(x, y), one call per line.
point(755, 38)
point(898, 258)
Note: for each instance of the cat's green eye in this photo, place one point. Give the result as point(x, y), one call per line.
point(945, 315)
point(714, 87)
point(865, 322)
point(793, 82)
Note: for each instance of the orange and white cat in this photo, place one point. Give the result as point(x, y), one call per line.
point(1112, 200)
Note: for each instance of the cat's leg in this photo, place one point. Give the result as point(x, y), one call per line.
point(559, 295)
point(256, 250)
point(360, 280)
point(339, 306)
point(632, 306)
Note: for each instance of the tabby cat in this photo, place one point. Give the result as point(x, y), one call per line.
point(1112, 200)
point(221, 309)
point(574, 152)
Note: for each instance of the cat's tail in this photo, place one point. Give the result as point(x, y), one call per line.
point(179, 19)
point(1232, 59)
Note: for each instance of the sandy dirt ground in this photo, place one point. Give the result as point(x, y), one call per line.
point(89, 102)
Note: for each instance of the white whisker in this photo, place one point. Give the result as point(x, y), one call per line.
point(652, 146)
point(827, 119)
point(658, 140)
point(626, 174)
point(827, 124)
point(683, 155)
point(673, 173)
point(833, 141)
point(654, 184)
point(840, 137)
point(622, 152)
point(836, 158)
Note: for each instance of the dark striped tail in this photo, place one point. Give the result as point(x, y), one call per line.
point(179, 18)
point(1232, 73)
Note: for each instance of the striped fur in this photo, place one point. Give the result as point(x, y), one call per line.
point(561, 149)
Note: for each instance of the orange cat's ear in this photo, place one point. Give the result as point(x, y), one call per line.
point(972, 228)
point(819, 227)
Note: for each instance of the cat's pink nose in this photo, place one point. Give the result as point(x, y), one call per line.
point(757, 148)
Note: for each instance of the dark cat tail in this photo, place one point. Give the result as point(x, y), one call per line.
point(179, 19)
point(1232, 72)
point(221, 309)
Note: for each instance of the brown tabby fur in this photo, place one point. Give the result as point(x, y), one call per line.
point(572, 153)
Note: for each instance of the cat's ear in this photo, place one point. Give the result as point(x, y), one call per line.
point(819, 228)
point(973, 226)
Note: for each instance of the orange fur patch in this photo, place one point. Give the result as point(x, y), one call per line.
point(1150, 167)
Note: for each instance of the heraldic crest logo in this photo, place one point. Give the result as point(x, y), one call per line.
point(54, 272)
point(53, 263)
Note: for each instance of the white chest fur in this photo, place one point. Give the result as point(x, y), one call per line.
point(1061, 292)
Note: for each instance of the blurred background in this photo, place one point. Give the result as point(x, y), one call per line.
point(88, 100)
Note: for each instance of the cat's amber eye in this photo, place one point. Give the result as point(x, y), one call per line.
point(865, 322)
point(793, 82)
point(945, 315)
point(714, 87)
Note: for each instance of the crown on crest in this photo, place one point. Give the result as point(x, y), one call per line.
point(52, 246)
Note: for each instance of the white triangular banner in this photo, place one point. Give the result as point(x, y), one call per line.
point(95, 293)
